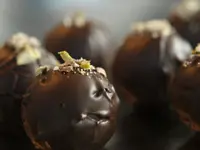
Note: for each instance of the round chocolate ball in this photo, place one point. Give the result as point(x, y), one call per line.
point(71, 106)
point(19, 58)
point(80, 37)
point(186, 19)
point(146, 62)
point(185, 91)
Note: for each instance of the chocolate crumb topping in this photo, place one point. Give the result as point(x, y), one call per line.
point(194, 59)
point(80, 66)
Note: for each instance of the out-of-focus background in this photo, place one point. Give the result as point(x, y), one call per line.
point(36, 17)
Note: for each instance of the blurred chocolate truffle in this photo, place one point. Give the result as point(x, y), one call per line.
point(185, 91)
point(186, 19)
point(71, 106)
point(19, 58)
point(147, 60)
point(81, 37)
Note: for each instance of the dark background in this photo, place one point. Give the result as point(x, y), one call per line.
point(35, 17)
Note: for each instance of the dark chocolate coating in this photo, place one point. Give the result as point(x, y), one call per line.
point(54, 109)
point(189, 30)
point(185, 88)
point(91, 42)
point(138, 70)
point(14, 81)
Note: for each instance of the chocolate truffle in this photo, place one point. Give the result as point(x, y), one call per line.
point(81, 37)
point(147, 60)
point(19, 58)
point(186, 19)
point(71, 106)
point(185, 91)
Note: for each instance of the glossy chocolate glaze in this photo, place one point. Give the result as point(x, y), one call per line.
point(14, 80)
point(70, 110)
point(134, 54)
point(145, 64)
point(137, 67)
point(90, 41)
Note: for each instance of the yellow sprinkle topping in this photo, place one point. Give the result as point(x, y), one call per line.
point(65, 56)
point(85, 65)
